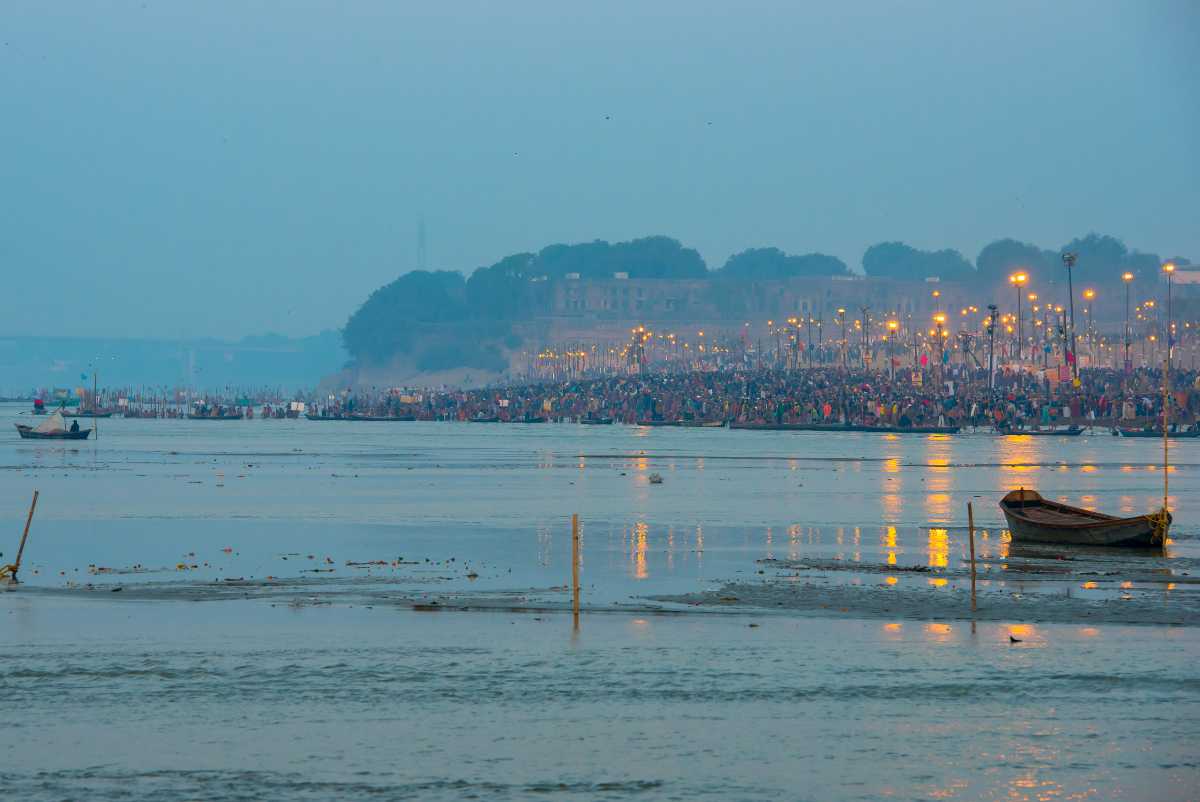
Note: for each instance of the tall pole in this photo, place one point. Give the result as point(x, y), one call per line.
point(991, 329)
point(1069, 260)
point(842, 319)
point(1128, 277)
point(866, 322)
point(1018, 324)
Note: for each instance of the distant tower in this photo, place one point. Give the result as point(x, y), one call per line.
point(422, 248)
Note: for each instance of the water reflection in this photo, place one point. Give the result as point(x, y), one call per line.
point(938, 548)
point(641, 531)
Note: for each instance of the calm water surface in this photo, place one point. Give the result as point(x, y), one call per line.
point(112, 699)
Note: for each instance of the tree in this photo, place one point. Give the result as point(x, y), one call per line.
point(897, 260)
point(1000, 259)
point(383, 325)
point(767, 264)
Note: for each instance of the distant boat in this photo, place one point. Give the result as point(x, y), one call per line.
point(219, 416)
point(1174, 434)
point(89, 413)
point(702, 424)
point(844, 427)
point(485, 419)
point(1069, 431)
point(590, 420)
point(653, 422)
point(53, 427)
point(1033, 519)
point(531, 419)
point(365, 417)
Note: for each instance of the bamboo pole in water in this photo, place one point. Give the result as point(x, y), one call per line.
point(1166, 422)
point(24, 536)
point(575, 567)
point(971, 529)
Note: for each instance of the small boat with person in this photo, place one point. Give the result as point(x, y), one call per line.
point(1034, 519)
point(54, 427)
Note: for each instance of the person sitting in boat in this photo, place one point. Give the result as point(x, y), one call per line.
point(74, 426)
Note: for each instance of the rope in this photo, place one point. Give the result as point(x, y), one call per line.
point(1161, 521)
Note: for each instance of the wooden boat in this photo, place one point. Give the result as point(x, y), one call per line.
point(1174, 434)
point(1033, 519)
point(223, 416)
point(88, 413)
point(702, 424)
point(653, 422)
point(311, 416)
point(393, 418)
point(530, 419)
point(594, 421)
point(29, 433)
point(844, 427)
point(485, 419)
point(1070, 431)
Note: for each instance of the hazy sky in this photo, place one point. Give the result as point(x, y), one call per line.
point(224, 168)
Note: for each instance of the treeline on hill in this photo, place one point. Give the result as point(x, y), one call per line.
point(443, 320)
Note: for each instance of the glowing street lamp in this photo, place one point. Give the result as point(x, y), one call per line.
point(1018, 280)
point(893, 326)
point(1169, 269)
point(1088, 295)
point(1127, 278)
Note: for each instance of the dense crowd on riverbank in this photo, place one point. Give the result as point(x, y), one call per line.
point(818, 395)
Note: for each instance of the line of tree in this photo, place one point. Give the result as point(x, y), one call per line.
point(398, 317)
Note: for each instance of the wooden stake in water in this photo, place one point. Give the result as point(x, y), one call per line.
point(1166, 422)
point(575, 567)
point(11, 570)
point(971, 529)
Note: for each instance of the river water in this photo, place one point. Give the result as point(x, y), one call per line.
point(322, 610)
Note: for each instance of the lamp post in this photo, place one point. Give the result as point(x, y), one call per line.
point(841, 313)
point(1127, 278)
point(1169, 269)
point(1018, 280)
point(993, 313)
point(940, 320)
point(866, 324)
point(1088, 295)
point(1069, 260)
point(893, 327)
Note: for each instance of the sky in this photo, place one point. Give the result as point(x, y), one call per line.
point(223, 168)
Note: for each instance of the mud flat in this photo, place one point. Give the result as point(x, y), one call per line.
point(1041, 589)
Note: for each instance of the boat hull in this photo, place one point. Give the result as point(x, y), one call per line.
point(1032, 519)
point(27, 433)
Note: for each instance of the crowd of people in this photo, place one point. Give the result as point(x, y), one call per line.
point(955, 396)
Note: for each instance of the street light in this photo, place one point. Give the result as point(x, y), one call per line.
point(1018, 281)
point(893, 326)
point(1169, 269)
point(841, 313)
point(1069, 260)
point(940, 320)
point(1127, 277)
point(1088, 295)
point(993, 313)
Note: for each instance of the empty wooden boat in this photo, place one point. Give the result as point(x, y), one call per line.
point(1033, 519)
